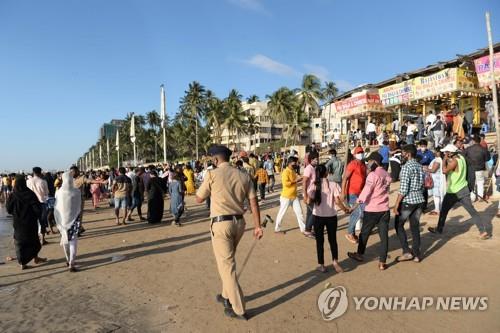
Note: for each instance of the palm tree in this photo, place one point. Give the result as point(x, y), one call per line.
point(193, 105)
point(330, 91)
point(298, 124)
point(215, 115)
point(253, 126)
point(280, 106)
point(252, 99)
point(235, 118)
point(154, 121)
point(310, 93)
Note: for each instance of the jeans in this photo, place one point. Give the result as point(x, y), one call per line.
point(330, 222)
point(270, 186)
point(355, 215)
point(479, 188)
point(43, 220)
point(262, 190)
point(450, 199)
point(410, 139)
point(284, 204)
point(121, 203)
point(411, 212)
point(309, 217)
point(370, 220)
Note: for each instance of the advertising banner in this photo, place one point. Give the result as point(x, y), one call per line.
point(483, 69)
point(395, 94)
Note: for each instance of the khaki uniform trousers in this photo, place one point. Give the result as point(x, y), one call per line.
point(225, 238)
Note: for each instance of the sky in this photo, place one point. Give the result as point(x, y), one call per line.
point(68, 66)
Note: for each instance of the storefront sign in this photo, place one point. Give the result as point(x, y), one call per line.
point(441, 82)
point(483, 69)
point(467, 80)
point(359, 104)
point(395, 94)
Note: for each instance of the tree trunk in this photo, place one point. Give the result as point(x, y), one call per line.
point(196, 134)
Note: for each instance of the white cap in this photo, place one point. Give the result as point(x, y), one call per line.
point(449, 148)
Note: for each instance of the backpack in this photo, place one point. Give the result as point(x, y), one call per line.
point(428, 182)
point(336, 169)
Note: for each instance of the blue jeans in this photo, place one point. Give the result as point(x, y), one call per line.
point(309, 217)
point(121, 203)
point(410, 139)
point(355, 215)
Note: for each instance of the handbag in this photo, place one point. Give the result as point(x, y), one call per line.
point(428, 182)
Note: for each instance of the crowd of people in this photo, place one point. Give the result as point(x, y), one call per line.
point(451, 168)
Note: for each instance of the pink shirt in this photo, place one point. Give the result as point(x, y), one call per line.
point(375, 194)
point(310, 173)
point(329, 191)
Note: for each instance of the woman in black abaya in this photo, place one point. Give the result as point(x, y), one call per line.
point(156, 190)
point(25, 208)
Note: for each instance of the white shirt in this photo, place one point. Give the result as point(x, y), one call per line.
point(336, 136)
point(395, 125)
point(371, 128)
point(431, 118)
point(411, 129)
point(40, 187)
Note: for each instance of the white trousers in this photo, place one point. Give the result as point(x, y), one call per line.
point(479, 186)
point(70, 250)
point(284, 204)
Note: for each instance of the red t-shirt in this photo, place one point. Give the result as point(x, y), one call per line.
point(358, 177)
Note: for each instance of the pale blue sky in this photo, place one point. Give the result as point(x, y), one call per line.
point(68, 66)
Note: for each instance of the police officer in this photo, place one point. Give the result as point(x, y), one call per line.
point(228, 187)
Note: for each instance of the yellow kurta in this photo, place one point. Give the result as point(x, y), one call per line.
point(190, 188)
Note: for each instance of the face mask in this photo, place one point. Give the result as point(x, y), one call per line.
point(359, 156)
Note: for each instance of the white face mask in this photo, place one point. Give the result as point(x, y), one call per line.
point(359, 156)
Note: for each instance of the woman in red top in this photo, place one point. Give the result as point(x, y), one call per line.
point(352, 185)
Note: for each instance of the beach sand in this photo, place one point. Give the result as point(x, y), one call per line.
point(162, 278)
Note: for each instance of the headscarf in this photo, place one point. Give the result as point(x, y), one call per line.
point(67, 206)
point(23, 201)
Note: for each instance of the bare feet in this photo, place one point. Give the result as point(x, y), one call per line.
point(484, 235)
point(321, 269)
point(351, 238)
point(382, 266)
point(337, 267)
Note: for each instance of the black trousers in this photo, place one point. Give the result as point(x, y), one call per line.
point(319, 223)
point(262, 189)
point(370, 221)
point(426, 198)
point(412, 213)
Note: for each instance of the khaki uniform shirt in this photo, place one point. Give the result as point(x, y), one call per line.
point(227, 188)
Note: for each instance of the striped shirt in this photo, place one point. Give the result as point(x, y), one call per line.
point(412, 183)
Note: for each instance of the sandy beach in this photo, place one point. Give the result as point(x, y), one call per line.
point(162, 278)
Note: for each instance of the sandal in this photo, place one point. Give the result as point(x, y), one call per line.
point(355, 256)
point(406, 257)
point(484, 236)
point(351, 238)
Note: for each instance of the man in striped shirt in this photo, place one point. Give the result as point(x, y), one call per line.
point(409, 203)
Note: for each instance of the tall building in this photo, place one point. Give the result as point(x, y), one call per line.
point(266, 132)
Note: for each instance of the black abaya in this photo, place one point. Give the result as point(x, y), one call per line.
point(156, 189)
point(25, 208)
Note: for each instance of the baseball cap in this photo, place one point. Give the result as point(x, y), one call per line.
point(358, 150)
point(449, 149)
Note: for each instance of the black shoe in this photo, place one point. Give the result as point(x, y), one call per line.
point(224, 301)
point(230, 313)
point(435, 230)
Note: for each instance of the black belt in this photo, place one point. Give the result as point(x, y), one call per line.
point(222, 218)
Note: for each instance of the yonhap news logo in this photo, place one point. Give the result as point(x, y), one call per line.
point(333, 303)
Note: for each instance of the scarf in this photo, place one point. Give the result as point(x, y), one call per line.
point(67, 207)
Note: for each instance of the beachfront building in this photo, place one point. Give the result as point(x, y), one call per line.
point(265, 132)
point(462, 82)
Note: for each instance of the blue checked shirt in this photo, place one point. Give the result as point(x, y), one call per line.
point(412, 183)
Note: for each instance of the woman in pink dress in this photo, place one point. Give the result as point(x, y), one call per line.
point(95, 189)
